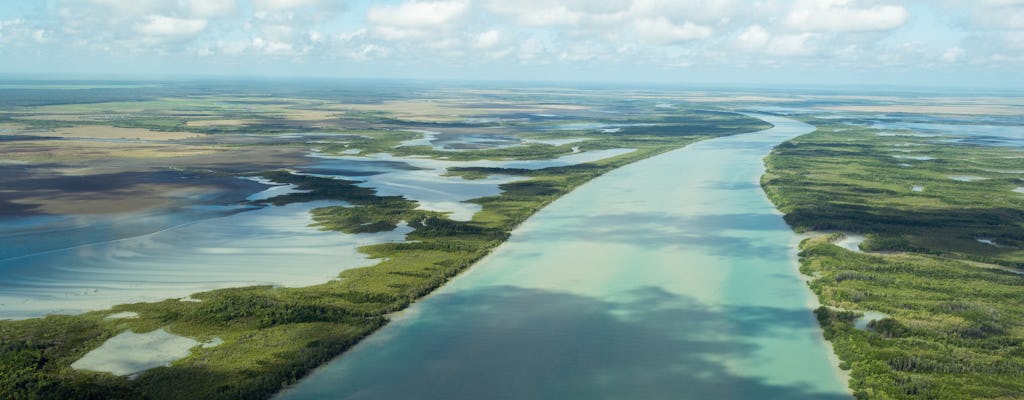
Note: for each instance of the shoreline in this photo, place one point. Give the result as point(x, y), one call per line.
point(359, 363)
point(276, 313)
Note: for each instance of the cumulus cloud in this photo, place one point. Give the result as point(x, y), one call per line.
point(160, 25)
point(415, 19)
point(488, 39)
point(844, 15)
point(571, 33)
point(662, 31)
point(579, 14)
point(282, 5)
point(754, 37)
point(209, 8)
point(418, 14)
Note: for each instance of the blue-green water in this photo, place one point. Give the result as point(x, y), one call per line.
point(671, 278)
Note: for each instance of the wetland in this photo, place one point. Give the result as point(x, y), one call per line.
point(588, 242)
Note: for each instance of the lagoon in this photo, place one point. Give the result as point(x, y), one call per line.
point(267, 246)
point(673, 277)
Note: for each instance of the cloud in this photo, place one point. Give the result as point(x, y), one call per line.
point(489, 39)
point(416, 20)
point(844, 16)
point(284, 5)
point(952, 55)
point(160, 25)
point(418, 14)
point(662, 31)
point(570, 34)
point(754, 37)
point(209, 8)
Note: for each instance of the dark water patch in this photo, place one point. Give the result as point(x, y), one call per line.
point(474, 141)
point(711, 232)
point(356, 166)
point(509, 342)
point(26, 138)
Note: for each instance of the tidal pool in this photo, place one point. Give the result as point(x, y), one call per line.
point(670, 278)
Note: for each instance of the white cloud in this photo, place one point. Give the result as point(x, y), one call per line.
point(578, 14)
point(160, 25)
point(952, 55)
point(281, 5)
point(844, 16)
point(209, 8)
point(430, 22)
point(272, 47)
point(753, 38)
point(757, 39)
point(662, 31)
point(418, 14)
point(575, 34)
point(700, 11)
point(791, 45)
point(488, 39)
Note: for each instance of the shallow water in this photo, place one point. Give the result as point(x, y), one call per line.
point(967, 178)
point(851, 242)
point(424, 180)
point(130, 353)
point(978, 134)
point(30, 234)
point(863, 321)
point(248, 248)
point(673, 277)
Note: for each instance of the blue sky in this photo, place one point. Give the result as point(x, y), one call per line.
point(850, 42)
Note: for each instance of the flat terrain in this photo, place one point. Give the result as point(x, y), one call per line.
point(241, 134)
point(942, 269)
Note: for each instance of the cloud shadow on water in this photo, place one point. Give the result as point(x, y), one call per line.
point(514, 343)
point(709, 232)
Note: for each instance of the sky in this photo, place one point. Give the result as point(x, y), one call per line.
point(815, 42)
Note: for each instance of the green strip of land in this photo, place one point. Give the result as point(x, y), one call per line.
point(274, 336)
point(955, 305)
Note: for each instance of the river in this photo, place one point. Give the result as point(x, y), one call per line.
point(670, 278)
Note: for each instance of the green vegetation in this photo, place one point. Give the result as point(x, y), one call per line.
point(273, 336)
point(851, 179)
point(955, 325)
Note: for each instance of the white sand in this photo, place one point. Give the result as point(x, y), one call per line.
point(917, 188)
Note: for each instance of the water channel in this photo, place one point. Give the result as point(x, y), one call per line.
point(673, 277)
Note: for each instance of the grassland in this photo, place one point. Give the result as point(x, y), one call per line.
point(955, 325)
point(273, 336)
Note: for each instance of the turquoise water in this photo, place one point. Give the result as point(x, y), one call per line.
point(671, 278)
